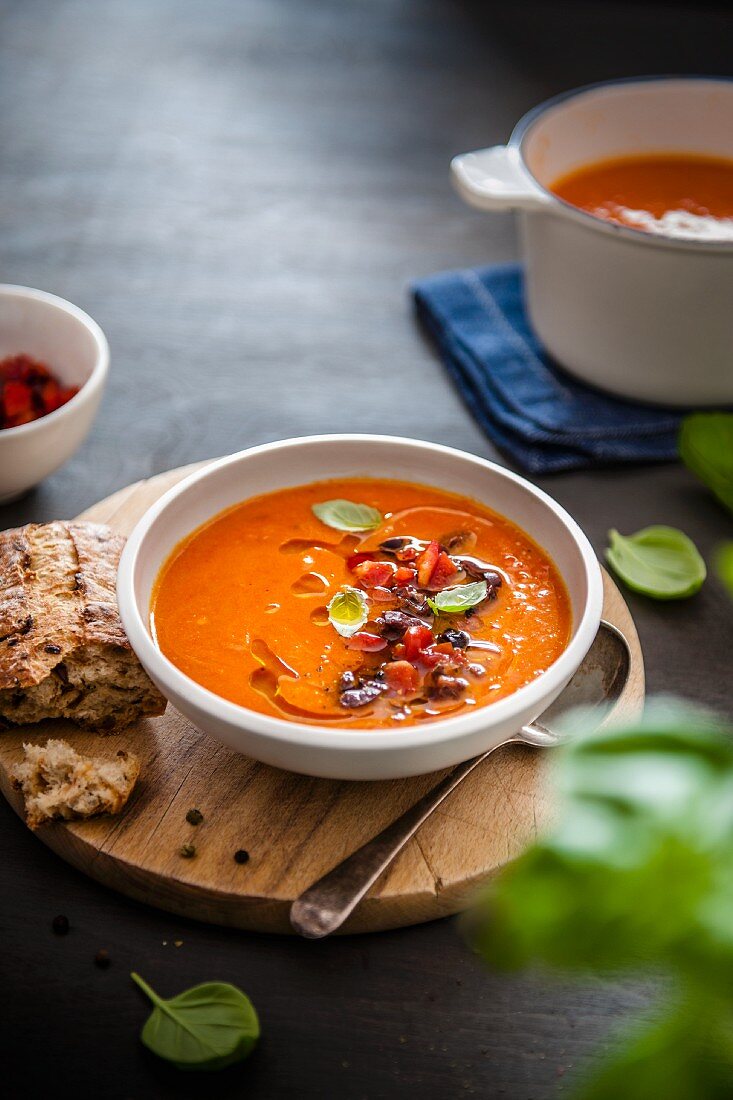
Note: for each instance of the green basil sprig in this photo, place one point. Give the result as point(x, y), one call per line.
point(658, 561)
point(706, 448)
point(207, 1027)
point(454, 601)
point(344, 515)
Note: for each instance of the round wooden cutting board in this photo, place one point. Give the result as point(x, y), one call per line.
point(293, 827)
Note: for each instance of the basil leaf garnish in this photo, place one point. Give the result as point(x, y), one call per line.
point(706, 448)
point(658, 561)
point(453, 601)
point(348, 611)
point(344, 515)
point(209, 1026)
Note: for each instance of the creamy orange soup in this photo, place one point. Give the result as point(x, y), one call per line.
point(242, 606)
point(680, 194)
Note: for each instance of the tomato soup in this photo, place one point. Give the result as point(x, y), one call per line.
point(681, 195)
point(361, 603)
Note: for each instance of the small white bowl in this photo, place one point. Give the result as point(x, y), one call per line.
point(74, 347)
point(344, 753)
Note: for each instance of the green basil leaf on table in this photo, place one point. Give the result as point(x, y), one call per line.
point(454, 601)
point(658, 561)
point(209, 1026)
point(706, 448)
point(348, 611)
point(724, 565)
point(344, 515)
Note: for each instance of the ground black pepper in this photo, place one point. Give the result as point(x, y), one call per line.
point(60, 925)
point(102, 959)
point(241, 856)
point(188, 851)
point(194, 817)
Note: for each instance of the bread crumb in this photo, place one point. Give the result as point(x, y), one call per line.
point(59, 783)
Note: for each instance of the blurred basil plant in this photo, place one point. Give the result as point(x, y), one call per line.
point(637, 875)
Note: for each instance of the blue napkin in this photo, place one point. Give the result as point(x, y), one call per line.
point(534, 412)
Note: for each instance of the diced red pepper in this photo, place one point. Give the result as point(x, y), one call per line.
point(367, 643)
point(426, 563)
point(16, 399)
point(373, 574)
point(401, 677)
point(417, 638)
point(441, 653)
point(430, 658)
point(398, 651)
point(356, 559)
point(404, 575)
point(444, 572)
point(28, 390)
point(47, 391)
point(63, 396)
point(382, 595)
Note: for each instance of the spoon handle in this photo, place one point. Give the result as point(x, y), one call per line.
point(325, 905)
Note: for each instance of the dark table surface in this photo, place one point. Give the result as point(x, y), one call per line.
point(240, 193)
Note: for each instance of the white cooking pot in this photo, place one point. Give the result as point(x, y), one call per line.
point(644, 315)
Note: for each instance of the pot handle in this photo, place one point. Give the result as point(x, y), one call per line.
point(495, 179)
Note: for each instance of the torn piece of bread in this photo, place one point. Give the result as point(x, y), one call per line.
point(63, 651)
point(59, 783)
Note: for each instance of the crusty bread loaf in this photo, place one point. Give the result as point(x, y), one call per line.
point(59, 783)
point(63, 651)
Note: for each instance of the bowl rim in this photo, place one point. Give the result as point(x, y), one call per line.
point(527, 122)
point(89, 386)
point(311, 735)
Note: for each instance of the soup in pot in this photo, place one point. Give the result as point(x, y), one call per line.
point(679, 195)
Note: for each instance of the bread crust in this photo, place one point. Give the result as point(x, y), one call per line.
point(58, 605)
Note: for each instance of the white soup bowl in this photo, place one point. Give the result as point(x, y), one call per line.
point(342, 753)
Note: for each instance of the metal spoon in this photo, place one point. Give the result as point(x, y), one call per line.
point(323, 907)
